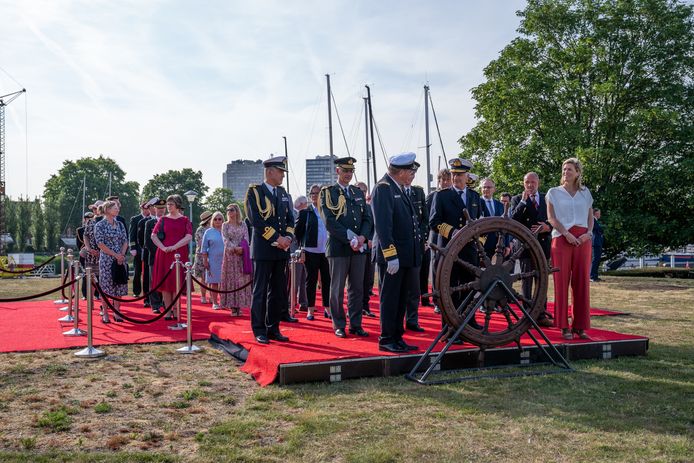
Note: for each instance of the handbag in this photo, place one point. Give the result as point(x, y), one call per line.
point(119, 272)
point(247, 268)
point(160, 234)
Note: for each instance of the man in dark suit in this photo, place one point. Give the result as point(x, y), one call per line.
point(140, 238)
point(156, 301)
point(491, 208)
point(530, 209)
point(418, 199)
point(269, 209)
point(444, 181)
point(135, 249)
point(598, 243)
point(350, 226)
point(447, 216)
point(399, 252)
point(370, 263)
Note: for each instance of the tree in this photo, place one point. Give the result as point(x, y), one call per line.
point(11, 222)
point(64, 189)
point(52, 219)
point(610, 82)
point(218, 200)
point(38, 226)
point(22, 233)
point(178, 182)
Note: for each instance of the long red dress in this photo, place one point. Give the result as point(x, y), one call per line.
point(174, 230)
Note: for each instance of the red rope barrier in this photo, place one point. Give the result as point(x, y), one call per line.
point(26, 298)
point(132, 320)
point(202, 285)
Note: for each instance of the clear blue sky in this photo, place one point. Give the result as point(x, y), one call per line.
point(161, 85)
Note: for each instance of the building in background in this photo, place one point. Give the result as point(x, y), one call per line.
point(320, 171)
point(240, 174)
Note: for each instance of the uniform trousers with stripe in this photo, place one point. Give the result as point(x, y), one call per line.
point(573, 263)
point(269, 296)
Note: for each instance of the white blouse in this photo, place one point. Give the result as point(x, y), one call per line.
point(570, 210)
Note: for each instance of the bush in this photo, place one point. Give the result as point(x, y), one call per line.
point(654, 272)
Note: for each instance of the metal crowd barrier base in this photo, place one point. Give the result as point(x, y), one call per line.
point(90, 351)
point(178, 325)
point(76, 330)
point(70, 292)
point(189, 348)
point(62, 273)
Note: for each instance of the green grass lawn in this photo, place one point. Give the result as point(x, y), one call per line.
point(624, 410)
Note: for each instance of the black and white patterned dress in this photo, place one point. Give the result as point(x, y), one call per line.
point(113, 237)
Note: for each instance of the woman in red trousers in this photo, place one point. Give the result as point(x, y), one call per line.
point(570, 212)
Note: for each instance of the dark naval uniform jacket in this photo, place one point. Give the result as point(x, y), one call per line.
point(270, 219)
point(529, 215)
point(397, 227)
point(132, 232)
point(447, 214)
point(341, 213)
point(419, 202)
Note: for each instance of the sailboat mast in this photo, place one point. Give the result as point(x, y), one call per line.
point(286, 155)
point(371, 124)
point(368, 151)
point(426, 131)
point(330, 128)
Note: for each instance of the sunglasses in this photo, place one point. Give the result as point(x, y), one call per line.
point(218, 218)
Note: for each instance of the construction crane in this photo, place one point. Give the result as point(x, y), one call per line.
point(4, 101)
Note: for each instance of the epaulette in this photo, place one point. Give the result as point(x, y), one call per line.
point(383, 183)
point(418, 187)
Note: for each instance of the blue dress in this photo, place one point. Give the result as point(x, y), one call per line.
point(114, 237)
point(213, 246)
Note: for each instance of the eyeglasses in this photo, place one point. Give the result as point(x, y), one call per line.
point(217, 219)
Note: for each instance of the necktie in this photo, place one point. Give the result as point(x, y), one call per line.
point(490, 207)
point(346, 190)
point(532, 200)
point(462, 196)
point(274, 197)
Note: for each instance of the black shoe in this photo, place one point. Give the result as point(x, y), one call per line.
point(456, 342)
point(369, 313)
point(545, 321)
point(262, 339)
point(169, 316)
point(426, 302)
point(146, 304)
point(277, 337)
point(436, 309)
point(393, 347)
point(416, 328)
point(340, 333)
point(407, 347)
point(156, 310)
point(289, 319)
point(359, 332)
point(326, 313)
point(117, 319)
point(303, 308)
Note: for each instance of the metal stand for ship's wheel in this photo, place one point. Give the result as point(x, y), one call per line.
point(488, 288)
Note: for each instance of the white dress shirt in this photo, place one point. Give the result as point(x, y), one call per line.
point(570, 210)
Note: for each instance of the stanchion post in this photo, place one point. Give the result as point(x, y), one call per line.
point(90, 351)
point(70, 290)
point(62, 274)
point(177, 270)
point(292, 284)
point(189, 348)
point(76, 331)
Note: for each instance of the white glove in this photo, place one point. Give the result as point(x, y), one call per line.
point(393, 266)
point(354, 243)
point(133, 252)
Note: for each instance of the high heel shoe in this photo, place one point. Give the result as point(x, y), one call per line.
point(581, 334)
point(566, 334)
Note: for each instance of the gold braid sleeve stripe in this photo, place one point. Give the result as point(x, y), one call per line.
point(341, 203)
point(445, 230)
point(269, 233)
point(390, 251)
point(290, 230)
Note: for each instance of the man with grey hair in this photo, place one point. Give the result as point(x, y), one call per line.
point(300, 203)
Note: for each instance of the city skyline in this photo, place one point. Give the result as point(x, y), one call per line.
point(168, 85)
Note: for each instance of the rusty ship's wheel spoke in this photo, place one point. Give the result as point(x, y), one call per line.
point(472, 285)
point(523, 276)
point(499, 250)
point(481, 253)
point(468, 266)
point(507, 316)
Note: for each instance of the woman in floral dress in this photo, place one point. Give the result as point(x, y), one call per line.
point(234, 231)
point(199, 264)
point(112, 240)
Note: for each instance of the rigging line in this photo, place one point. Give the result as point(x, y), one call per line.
point(380, 141)
point(356, 131)
point(291, 169)
point(10, 76)
point(313, 124)
point(413, 124)
point(73, 208)
point(438, 131)
point(26, 145)
point(339, 121)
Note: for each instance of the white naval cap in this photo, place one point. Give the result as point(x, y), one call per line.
point(403, 161)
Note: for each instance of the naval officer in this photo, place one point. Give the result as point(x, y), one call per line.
point(269, 209)
point(399, 252)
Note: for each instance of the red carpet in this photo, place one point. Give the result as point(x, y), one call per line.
point(33, 325)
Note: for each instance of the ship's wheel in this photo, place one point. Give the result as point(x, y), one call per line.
point(491, 287)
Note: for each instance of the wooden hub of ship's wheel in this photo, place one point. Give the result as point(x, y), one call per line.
point(490, 285)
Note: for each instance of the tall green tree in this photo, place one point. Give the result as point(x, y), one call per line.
point(608, 81)
point(178, 182)
point(38, 225)
point(52, 220)
point(64, 189)
point(10, 222)
point(218, 200)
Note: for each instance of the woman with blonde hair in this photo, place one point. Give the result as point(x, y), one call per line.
point(570, 212)
point(212, 251)
point(236, 244)
point(171, 235)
